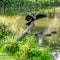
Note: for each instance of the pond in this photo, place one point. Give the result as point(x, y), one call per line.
point(44, 25)
point(50, 36)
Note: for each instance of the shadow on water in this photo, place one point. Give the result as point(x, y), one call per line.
point(38, 29)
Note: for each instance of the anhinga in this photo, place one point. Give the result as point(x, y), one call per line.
point(32, 18)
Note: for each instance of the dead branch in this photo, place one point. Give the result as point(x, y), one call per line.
point(25, 31)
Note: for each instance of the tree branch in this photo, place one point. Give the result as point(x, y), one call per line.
point(25, 31)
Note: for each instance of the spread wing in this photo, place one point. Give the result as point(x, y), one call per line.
point(40, 16)
point(33, 18)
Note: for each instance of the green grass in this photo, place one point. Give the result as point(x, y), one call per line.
point(28, 49)
point(4, 56)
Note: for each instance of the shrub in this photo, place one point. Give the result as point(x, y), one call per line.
point(37, 54)
point(4, 31)
point(12, 48)
point(31, 51)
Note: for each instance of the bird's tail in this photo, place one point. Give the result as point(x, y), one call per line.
point(28, 23)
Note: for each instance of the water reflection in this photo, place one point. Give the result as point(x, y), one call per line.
point(56, 55)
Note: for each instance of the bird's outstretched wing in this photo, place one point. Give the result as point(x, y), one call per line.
point(40, 16)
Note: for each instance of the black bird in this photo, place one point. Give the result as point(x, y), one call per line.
point(33, 18)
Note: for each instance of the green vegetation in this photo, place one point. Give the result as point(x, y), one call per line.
point(23, 7)
point(12, 23)
point(26, 49)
